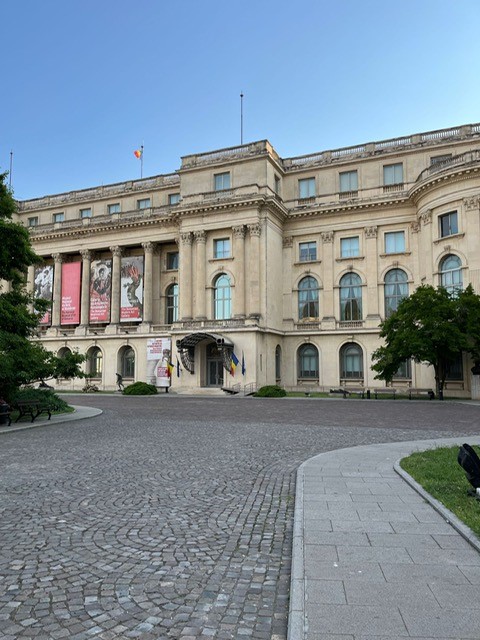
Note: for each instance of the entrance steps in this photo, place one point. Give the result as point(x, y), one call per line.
point(201, 391)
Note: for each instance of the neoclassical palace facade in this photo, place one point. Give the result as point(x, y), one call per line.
point(244, 268)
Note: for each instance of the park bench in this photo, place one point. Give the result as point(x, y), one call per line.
point(412, 391)
point(33, 408)
point(347, 391)
point(384, 391)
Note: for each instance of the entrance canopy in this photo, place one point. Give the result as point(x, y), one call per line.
point(186, 349)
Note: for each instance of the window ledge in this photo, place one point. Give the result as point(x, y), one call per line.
point(350, 258)
point(302, 262)
point(445, 238)
point(221, 259)
point(395, 253)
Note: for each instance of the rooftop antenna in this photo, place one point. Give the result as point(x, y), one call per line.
point(241, 118)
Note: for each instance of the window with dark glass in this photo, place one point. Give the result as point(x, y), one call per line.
point(172, 304)
point(278, 362)
point(144, 203)
point(448, 224)
point(173, 198)
point(308, 299)
point(396, 289)
point(307, 251)
point(172, 260)
point(455, 369)
point(128, 363)
point(351, 361)
point(350, 297)
point(308, 361)
point(451, 274)
point(95, 362)
point(33, 222)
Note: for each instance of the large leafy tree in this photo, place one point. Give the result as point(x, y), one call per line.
point(22, 360)
point(432, 326)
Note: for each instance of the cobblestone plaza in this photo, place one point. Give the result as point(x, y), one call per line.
point(171, 517)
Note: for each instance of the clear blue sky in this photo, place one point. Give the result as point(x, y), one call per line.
point(85, 82)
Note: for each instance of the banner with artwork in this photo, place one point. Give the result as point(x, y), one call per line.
point(159, 354)
point(100, 290)
point(131, 304)
point(43, 288)
point(71, 286)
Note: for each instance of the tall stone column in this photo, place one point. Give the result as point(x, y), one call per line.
point(148, 248)
point(31, 283)
point(254, 270)
point(200, 265)
point(57, 289)
point(85, 300)
point(371, 258)
point(185, 276)
point(115, 302)
point(239, 255)
point(425, 249)
point(327, 299)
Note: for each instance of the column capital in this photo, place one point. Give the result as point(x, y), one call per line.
point(239, 231)
point(426, 217)
point(200, 236)
point(472, 203)
point(86, 254)
point(58, 257)
point(254, 229)
point(116, 251)
point(148, 247)
point(327, 236)
point(186, 237)
point(288, 242)
point(371, 232)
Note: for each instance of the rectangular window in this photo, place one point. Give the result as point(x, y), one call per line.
point(173, 198)
point(144, 203)
point(114, 208)
point(33, 222)
point(85, 213)
point(306, 188)
point(221, 248)
point(393, 174)
point(350, 247)
point(58, 217)
point(172, 260)
point(395, 242)
point(221, 181)
point(448, 224)
point(307, 251)
point(348, 181)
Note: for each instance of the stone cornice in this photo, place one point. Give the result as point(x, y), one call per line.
point(454, 174)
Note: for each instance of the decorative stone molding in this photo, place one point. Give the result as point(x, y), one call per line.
point(426, 217)
point(239, 232)
point(186, 237)
point(415, 227)
point(371, 232)
point(116, 251)
point(471, 203)
point(254, 229)
point(148, 247)
point(86, 254)
point(288, 242)
point(327, 236)
point(58, 257)
point(200, 237)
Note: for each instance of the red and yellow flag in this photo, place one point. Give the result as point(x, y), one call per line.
point(138, 153)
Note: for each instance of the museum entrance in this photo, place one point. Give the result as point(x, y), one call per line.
point(214, 366)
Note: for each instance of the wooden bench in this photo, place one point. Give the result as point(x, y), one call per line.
point(32, 408)
point(420, 392)
point(346, 391)
point(384, 391)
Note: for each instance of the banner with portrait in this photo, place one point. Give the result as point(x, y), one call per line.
point(71, 286)
point(43, 288)
point(131, 281)
point(100, 290)
point(159, 354)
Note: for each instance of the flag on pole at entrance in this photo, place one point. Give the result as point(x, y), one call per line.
point(233, 364)
point(178, 368)
point(244, 369)
point(138, 153)
point(170, 368)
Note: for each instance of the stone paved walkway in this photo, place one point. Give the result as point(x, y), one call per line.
point(171, 517)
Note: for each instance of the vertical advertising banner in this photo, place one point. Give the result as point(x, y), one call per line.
point(159, 352)
point(131, 281)
point(43, 287)
point(71, 285)
point(100, 290)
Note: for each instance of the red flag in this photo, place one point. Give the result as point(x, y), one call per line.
point(138, 153)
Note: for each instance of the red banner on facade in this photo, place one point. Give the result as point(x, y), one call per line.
point(71, 285)
point(100, 290)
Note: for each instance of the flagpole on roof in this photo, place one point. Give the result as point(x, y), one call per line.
point(241, 118)
point(141, 162)
point(10, 172)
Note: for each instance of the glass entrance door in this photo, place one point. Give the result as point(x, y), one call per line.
point(214, 366)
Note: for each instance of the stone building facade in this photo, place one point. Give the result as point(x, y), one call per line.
point(284, 265)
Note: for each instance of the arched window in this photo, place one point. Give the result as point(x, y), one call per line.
point(451, 273)
point(350, 297)
point(308, 361)
point(94, 362)
point(308, 299)
point(64, 351)
point(396, 289)
point(222, 298)
point(278, 362)
point(128, 362)
point(351, 361)
point(172, 304)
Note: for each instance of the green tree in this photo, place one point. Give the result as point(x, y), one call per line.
point(426, 328)
point(23, 360)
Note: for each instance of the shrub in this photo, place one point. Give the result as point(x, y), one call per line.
point(140, 389)
point(29, 394)
point(270, 391)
